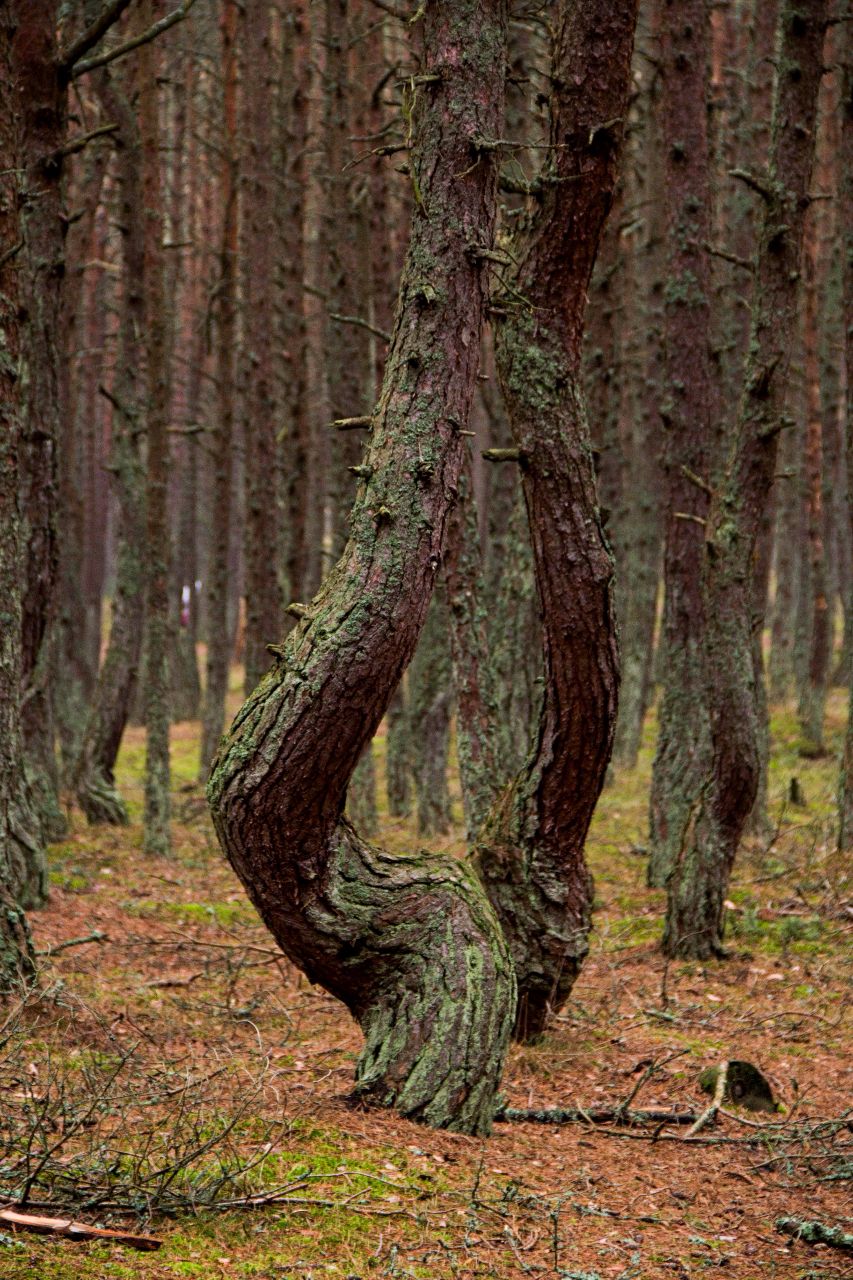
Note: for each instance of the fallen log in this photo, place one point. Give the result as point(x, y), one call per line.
point(74, 1230)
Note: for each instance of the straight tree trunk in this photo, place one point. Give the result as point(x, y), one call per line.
point(218, 629)
point(531, 849)
point(41, 100)
point(682, 759)
point(22, 864)
point(117, 679)
point(409, 944)
point(699, 880)
point(264, 621)
point(845, 186)
point(157, 835)
point(430, 698)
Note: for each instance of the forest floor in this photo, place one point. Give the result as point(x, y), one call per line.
point(179, 1059)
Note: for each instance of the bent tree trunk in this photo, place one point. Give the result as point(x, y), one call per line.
point(699, 880)
point(410, 945)
point(531, 847)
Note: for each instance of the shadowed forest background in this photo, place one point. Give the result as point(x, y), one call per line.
point(426, 559)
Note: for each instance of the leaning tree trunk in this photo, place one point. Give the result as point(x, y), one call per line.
point(22, 866)
point(94, 780)
point(531, 848)
point(409, 944)
point(697, 887)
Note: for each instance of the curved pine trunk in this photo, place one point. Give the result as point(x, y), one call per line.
point(410, 945)
point(531, 847)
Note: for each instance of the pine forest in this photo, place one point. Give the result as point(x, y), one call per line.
point(426, 639)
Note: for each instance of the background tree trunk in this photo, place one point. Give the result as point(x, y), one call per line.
point(22, 866)
point(218, 562)
point(682, 759)
point(41, 102)
point(157, 837)
point(697, 886)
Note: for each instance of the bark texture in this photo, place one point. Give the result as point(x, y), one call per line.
point(530, 852)
point(218, 561)
point(22, 867)
point(410, 945)
point(682, 760)
point(157, 837)
point(40, 94)
point(845, 183)
point(117, 678)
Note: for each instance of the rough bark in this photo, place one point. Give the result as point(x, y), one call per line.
point(218, 631)
point(821, 388)
point(682, 758)
point(117, 678)
point(41, 102)
point(22, 866)
point(409, 944)
point(638, 558)
point(699, 880)
point(260, 409)
point(845, 171)
point(530, 851)
point(157, 836)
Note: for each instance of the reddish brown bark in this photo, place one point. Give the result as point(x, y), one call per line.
point(531, 848)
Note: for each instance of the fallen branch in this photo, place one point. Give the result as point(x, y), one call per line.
point(74, 1230)
point(716, 1102)
point(595, 1115)
point(815, 1233)
point(95, 936)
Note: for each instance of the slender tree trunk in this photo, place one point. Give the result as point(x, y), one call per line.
point(531, 849)
point(410, 945)
point(117, 679)
point(699, 880)
point(218, 630)
point(290, 217)
point(641, 529)
point(476, 746)
point(157, 836)
point(845, 221)
point(818, 303)
point(682, 760)
point(398, 765)
point(22, 865)
point(430, 698)
point(264, 621)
